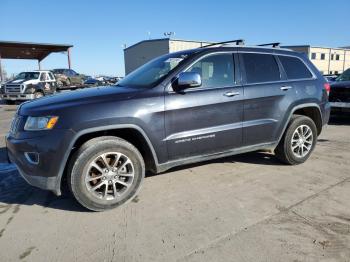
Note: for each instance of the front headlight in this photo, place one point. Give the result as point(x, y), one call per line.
point(40, 123)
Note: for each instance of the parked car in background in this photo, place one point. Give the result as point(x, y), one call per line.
point(29, 85)
point(108, 80)
point(91, 81)
point(101, 81)
point(180, 108)
point(340, 93)
point(331, 78)
point(68, 77)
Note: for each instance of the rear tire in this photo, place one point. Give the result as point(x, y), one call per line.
point(298, 141)
point(105, 172)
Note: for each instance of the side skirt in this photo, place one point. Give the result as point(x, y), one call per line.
point(195, 159)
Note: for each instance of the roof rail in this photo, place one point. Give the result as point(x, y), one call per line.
point(238, 42)
point(277, 44)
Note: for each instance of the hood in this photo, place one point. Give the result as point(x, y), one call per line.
point(21, 81)
point(343, 84)
point(82, 97)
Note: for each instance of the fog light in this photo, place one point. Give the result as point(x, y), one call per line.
point(32, 157)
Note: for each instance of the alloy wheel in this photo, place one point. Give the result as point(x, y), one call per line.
point(109, 176)
point(302, 141)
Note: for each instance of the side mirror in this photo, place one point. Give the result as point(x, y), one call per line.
point(189, 79)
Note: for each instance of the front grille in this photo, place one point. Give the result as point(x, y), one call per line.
point(339, 94)
point(12, 88)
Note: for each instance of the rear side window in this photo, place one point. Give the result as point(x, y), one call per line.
point(295, 68)
point(261, 68)
point(43, 77)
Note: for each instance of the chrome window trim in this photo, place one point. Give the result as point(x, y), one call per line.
point(314, 77)
point(279, 82)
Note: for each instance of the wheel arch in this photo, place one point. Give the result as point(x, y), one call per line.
point(131, 133)
point(311, 110)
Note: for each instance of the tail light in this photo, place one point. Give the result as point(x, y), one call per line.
point(327, 87)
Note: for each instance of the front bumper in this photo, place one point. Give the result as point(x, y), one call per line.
point(46, 183)
point(51, 147)
point(340, 104)
point(14, 97)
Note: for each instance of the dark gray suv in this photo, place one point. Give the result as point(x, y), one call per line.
point(180, 108)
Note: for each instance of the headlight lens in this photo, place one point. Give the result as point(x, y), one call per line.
point(40, 123)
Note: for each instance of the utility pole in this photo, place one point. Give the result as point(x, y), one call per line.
point(68, 55)
point(1, 73)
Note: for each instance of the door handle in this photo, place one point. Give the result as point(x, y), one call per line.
point(231, 93)
point(285, 88)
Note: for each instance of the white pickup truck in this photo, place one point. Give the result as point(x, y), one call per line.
point(29, 85)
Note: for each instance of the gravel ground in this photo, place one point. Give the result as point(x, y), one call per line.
point(242, 208)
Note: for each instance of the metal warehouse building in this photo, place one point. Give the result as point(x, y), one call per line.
point(328, 60)
point(144, 51)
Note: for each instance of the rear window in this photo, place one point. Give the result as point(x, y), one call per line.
point(261, 68)
point(295, 68)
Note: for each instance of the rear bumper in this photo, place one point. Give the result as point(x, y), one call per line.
point(326, 113)
point(14, 97)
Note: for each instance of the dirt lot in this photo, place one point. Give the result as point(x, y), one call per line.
point(242, 208)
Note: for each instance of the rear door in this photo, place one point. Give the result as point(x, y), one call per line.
point(268, 97)
point(206, 119)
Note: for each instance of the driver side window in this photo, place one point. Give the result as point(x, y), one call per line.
point(43, 77)
point(215, 70)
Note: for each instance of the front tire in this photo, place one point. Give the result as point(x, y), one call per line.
point(38, 94)
point(9, 102)
point(298, 141)
point(105, 173)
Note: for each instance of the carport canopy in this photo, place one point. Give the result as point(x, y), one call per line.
point(36, 51)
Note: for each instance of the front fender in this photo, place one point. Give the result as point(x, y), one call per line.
point(81, 133)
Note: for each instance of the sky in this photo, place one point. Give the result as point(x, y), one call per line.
point(99, 29)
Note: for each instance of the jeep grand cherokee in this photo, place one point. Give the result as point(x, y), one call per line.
point(180, 108)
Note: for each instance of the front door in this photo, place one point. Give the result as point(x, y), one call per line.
point(205, 119)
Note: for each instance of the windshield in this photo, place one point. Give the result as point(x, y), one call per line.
point(27, 75)
point(154, 71)
point(58, 71)
point(344, 76)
